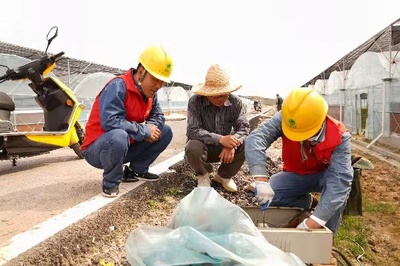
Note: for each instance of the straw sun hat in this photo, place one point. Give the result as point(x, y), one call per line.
point(216, 83)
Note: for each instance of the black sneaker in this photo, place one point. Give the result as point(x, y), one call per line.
point(110, 192)
point(130, 174)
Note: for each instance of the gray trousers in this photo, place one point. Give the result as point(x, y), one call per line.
point(200, 156)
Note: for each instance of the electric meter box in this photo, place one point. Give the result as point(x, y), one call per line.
point(278, 225)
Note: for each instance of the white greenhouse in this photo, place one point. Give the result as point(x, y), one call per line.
point(363, 88)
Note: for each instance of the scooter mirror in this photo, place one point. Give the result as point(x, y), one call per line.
point(53, 32)
point(51, 35)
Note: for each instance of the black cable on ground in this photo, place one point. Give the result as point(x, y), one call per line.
point(342, 255)
point(307, 211)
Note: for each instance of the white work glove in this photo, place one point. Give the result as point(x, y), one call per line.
point(303, 225)
point(264, 194)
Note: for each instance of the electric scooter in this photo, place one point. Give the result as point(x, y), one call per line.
point(60, 107)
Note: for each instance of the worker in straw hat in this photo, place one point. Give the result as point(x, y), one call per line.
point(216, 130)
point(316, 155)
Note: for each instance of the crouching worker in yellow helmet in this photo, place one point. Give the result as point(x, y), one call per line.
point(316, 155)
point(127, 125)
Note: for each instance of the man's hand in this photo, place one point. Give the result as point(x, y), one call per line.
point(264, 193)
point(155, 133)
point(229, 141)
point(226, 155)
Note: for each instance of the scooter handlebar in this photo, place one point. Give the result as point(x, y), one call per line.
point(39, 66)
point(53, 58)
point(4, 77)
point(8, 75)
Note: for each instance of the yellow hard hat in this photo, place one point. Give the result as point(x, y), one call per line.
point(303, 112)
point(156, 61)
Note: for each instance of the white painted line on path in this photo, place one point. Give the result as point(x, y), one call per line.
point(40, 232)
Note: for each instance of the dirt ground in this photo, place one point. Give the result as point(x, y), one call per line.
point(380, 187)
point(100, 238)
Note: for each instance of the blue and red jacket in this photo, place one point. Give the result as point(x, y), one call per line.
point(136, 109)
point(318, 156)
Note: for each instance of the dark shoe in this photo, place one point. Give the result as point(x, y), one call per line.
point(110, 192)
point(129, 174)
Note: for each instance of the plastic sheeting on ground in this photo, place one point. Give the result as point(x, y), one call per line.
point(205, 229)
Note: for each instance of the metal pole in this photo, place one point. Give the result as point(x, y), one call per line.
point(383, 115)
point(340, 107)
point(384, 94)
point(357, 114)
point(342, 95)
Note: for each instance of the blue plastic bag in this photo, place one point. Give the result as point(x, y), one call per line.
point(205, 229)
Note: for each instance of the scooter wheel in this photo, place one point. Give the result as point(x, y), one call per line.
point(80, 131)
point(77, 149)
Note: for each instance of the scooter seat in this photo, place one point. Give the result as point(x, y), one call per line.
point(6, 126)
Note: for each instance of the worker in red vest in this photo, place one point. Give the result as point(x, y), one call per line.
point(126, 123)
point(316, 155)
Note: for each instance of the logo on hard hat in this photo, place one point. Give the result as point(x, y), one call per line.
point(292, 123)
point(167, 68)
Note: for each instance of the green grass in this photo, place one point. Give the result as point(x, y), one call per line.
point(352, 235)
point(384, 208)
point(381, 208)
point(172, 191)
point(152, 203)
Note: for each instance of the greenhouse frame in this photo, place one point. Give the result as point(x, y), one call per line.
point(363, 88)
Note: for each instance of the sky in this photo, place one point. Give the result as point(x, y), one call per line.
point(268, 47)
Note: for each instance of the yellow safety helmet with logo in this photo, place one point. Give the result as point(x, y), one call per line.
point(157, 62)
point(303, 112)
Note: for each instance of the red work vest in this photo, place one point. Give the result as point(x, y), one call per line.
point(319, 156)
point(136, 110)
